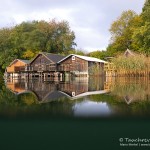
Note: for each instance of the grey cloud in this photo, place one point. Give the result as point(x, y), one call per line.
point(90, 19)
point(41, 5)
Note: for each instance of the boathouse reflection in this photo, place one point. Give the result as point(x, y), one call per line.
point(54, 90)
point(128, 90)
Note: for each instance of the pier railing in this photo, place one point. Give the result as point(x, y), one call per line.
point(19, 69)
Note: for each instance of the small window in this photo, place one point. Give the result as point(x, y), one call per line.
point(73, 57)
point(73, 94)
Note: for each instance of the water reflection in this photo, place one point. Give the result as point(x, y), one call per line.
point(88, 108)
point(130, 89)
point(84, 97)
point(52, 90)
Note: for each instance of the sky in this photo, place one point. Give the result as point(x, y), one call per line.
point(89, 19)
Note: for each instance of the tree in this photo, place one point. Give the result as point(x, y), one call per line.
point(121, 31)
point(141, 38)
point(99, 54)
point(56, 37)
point(141, 35)
point(146, 11)
point(5, 47)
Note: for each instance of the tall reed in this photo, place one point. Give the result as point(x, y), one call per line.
point(132, 66)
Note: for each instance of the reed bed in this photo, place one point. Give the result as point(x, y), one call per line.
point(137, 66)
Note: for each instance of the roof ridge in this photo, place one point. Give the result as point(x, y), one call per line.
point(22, 59)
point(84, 57)
point(51, 53)
point(132, 52)
point(88, 56)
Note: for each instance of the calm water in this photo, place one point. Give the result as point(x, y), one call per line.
point(79, 97)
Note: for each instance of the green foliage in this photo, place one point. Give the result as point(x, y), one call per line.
point(146, 11)
point(141, 36)
point(121, 31)
point(54, 37)
point(73, 51)
point(5, 47)
point(99, 54)
point(28, 54)
point(119, 26)
point(131, 31)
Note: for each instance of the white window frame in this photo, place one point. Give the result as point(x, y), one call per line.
point(73, 58)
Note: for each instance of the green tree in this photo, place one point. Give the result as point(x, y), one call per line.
point(6, 54)
point(53, 36)
point(141, 39)
point(121, 31)
point(146, 11)
point(19, 37)
point(56, 37)
point(141, 36)
point(99, 54)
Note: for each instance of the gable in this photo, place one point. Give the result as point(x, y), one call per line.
point(73, 59)
point(40, 58)
point(129, 53)
point(85, 58)
point(17, 62)
point(47, 58)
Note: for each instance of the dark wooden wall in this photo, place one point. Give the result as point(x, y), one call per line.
point(41, 63)
point(73, 63)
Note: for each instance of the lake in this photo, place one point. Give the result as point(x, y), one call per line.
point(75, 98)
point(78, 113)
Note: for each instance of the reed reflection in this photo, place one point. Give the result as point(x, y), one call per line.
point(130, 89)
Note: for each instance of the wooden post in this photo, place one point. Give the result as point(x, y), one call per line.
point(45, 76)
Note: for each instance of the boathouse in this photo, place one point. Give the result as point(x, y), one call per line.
point(16, 67)
point(45, 63)
point(129, 53)
point(53, 65)
point(81, 65)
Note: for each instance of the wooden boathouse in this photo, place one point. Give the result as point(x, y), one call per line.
point(78, 65)
point(17, 68)
point(44, 64)
point(53, 65)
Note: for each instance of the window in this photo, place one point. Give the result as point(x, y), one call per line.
point(73, 94)
point(73, 57)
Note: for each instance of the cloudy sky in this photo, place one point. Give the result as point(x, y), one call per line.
point(89, 19)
